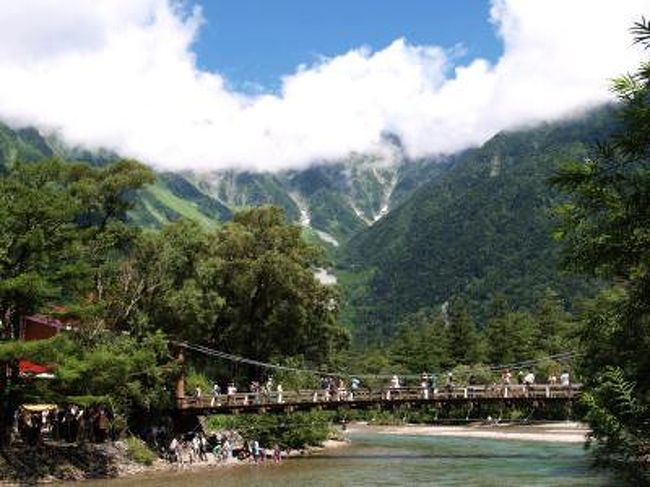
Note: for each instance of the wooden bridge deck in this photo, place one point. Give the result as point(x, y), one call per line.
point(261, 403)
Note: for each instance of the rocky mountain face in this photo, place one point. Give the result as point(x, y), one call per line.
point(333, 200)
point(481, 229)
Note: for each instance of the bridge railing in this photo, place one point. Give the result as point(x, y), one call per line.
point(394, 395)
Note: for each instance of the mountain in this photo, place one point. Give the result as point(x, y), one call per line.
point(407, 234)
point(332, 200)
point(22, 145)
point(170, 198)
point(482, 228)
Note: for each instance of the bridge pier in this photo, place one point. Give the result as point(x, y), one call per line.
point(180, 382)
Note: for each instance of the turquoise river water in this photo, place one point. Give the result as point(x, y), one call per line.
point(374, 459)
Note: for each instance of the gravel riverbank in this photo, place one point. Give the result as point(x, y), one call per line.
point(561, 432)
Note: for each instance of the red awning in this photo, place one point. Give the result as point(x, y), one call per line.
point(27, 367)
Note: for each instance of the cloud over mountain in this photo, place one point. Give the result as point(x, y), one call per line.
point(121, 74)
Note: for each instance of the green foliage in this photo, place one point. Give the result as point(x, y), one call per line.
point(421, 343)
point(247, 287)
point(126, 373)
point(138, 451)
point(605, 227)
point(293, 380)
point(295, 430)
point(436, 343)
point(275, 304)
point(481, 227)
point(60, 230)
point(618, 419)
point(194, 379)
point(464, 375)
point(466, 346)
point(120, 372)
point(512, 337)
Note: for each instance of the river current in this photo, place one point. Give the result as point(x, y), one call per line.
point(390, 460)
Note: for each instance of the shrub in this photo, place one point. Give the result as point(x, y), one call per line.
point(138, 451)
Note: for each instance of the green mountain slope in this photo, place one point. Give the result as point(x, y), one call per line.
point(334, 200)
point(170, 198)
point(483, 227)
point(21, 145)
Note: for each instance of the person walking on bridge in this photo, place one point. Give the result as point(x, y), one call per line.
point(393, 387)
point(424, 385)
point(355, 384)
point(197, 395)
point(529, 380)
point(216, 393)
point(230, 392)
point(564, 379)
point(279, 391)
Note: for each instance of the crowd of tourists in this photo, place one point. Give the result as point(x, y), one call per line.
point(219, 448)
point(257, 393)
point(336, 388)
point(72, 424)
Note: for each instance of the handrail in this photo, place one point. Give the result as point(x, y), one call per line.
point(384, 395)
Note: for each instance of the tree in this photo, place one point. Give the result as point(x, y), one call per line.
point(465, 343)
point(247, 288)
point(420, 343)
point(274, 304)
point(606, 233)
point(128, 373)
point(55, 239)
point(168, 281)
point(37, 231)
point(512, 337)
point(554, 324)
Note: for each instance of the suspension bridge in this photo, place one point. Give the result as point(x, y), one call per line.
point(275, 400)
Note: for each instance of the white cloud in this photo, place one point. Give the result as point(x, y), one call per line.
point(121, 74)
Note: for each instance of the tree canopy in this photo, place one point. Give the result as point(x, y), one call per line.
point(248, 287)
point(606, 232)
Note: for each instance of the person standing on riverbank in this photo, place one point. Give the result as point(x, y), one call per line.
point(257, 452)
point(277, 453)
point(175, 451)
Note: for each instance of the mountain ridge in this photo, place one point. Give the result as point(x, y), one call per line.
point(482, 228)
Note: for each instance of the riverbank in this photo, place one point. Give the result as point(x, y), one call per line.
point(64, 462)
point(55, 462)
point(128, 468)
point(557, 432)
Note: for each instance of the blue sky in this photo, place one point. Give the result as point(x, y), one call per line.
point(214, 84)
point(258, 41)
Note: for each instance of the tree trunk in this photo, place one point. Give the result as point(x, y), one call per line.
point(9, 377)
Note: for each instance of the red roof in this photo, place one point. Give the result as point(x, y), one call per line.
point(45, 320)
point(27, 367)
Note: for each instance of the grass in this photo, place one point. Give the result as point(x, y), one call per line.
point(185, 208)
point(138, 451)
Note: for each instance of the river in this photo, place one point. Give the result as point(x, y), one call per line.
point(387, 460)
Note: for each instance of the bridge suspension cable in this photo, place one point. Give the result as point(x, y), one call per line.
point(563, 356)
